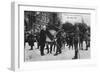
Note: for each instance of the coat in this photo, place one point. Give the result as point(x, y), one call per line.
point(42, 37)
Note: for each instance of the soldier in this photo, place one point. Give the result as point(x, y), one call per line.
point(70, 40)
point(76, 41)
point(59, 44)
point(31, 40)
point(42, 40)
point(38, 41)
point(76, 46)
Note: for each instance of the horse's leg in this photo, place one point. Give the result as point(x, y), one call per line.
point(51, 44)
point(56, 51)
point(69, 46)
point(64, 45)
point(31, 47)
point(76, 51)
point(47, 47)
point(72, 46)
point(82, 45)
point(54, 46)
point(86, 45)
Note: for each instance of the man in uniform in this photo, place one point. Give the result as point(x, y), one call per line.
point(76, 41)
point(31, 40)
point(42, 40)
point(59, 44)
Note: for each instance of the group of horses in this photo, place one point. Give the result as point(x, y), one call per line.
point(73, 37)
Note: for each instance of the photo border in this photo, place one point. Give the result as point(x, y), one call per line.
point(16, 63)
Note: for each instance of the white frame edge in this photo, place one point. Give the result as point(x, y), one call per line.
point(15, 62)
point(14, 36)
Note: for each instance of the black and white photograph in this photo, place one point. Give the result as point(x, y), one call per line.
point(56, 36)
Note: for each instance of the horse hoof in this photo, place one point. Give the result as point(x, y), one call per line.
point(55, 54)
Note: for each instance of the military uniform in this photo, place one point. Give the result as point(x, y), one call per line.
point(42, 41)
